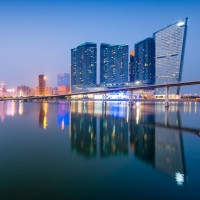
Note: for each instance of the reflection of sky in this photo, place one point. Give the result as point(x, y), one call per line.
point(63, 115)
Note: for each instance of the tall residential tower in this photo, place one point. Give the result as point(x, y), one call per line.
point(113, 64)
point(84, 65)
point(132, 66)
point(145, 61)
point(42, 84)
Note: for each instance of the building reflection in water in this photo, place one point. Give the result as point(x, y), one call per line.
point(2, 111)
point(21, 108)
point(103, 130)
point(116, 129)
point(63, 114)
point(97, 128)
point(113, 130)
point(43, 115)
point(142, 136)
point(83, 130)
point(8, 109)
point(154, 142)
point(11, 108)
point(169, 153)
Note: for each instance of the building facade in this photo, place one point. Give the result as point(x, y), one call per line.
point(145, 61)
point(42, 85)
point(169, 54)
point(132, 67)
point(113, 64)
point(84, 65)
point(23, 91)
point(2, 89)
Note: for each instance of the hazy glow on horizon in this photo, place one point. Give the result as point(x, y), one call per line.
point(37, 36)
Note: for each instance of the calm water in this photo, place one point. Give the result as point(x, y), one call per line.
point(93, 151)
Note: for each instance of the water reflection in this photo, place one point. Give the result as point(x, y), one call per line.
point(2, 111)
point(43, 115)
point(169, 156)
point(9, 109)
point(145, 134)
point(113, 132)
point(144, 131)
point(142, 136)
point(83, 130)
point(63, 114)
point(21, 108)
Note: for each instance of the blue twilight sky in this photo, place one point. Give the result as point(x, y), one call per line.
point(36, 36)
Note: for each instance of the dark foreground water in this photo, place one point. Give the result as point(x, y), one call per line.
point(93, 151)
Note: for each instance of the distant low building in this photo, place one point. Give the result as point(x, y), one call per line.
point(23, 91)
point(55, 90)
point(63, 90)
point(2, 89)
point(49, 91)
point(10, 93)
point(33, 91)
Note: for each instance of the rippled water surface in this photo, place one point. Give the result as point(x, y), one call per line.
point(99, 151)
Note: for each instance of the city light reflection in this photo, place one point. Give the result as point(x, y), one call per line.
point(43, 115)
point(21, 108)
point(118, 129)
point(11, 109)
point(63, 114)
point(179, 178)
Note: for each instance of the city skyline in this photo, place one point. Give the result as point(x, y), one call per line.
point(37, 36)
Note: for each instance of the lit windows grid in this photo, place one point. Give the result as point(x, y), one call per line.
point(83, 64)
point(113, 63)
point(170, 45)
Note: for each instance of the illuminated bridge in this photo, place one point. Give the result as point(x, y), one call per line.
point(123, 89)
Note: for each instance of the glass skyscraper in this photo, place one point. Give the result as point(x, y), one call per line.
point(169, 54)
point(63, 79)
point(145, 61)
point(84, 64)
point(113, 64)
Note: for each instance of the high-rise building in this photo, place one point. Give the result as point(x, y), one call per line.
point(42, 84)
point(169, 54)
point(84, 64)
point(104, 63)
point(63, 82)
point(132, 67)
point(113, 64)
point(145, 61)
point(63, 79)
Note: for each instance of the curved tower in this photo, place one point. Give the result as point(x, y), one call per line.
point(169, 54)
